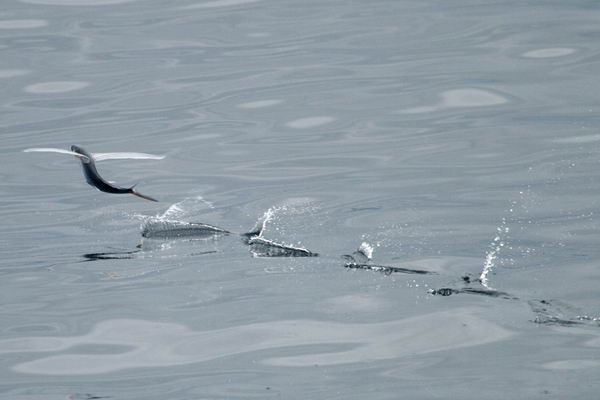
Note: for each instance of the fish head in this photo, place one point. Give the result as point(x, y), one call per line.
point(86, 157)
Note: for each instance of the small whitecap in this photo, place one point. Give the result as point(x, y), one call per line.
point(56, 87)
point(579, 139)
point(11, 73)
point(260, 103)
point(22, 23)
point(549, 52)
point(220, 3)
point(470, 98)
point(77, 2)
point(310, 122)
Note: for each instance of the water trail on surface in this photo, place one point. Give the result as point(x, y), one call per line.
point(557, 312)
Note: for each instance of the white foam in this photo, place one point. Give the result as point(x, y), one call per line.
point(549, 52)
point(310, 122)
point(56, 87)
point(22, 23)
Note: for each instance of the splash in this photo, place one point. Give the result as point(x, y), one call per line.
point(262, 247)
point(496, 246)
point(366, 249)
point(183, 208)
point(290, 207)
point(170, 223)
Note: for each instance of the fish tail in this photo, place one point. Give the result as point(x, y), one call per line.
point(143, 196)
point(253, 233)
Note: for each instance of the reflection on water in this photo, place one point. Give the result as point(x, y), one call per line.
point(260, 103)
point(22, 23)
point(461, 98)
point(11, 73)
point(550, 52)
point(156, 344)
point(55, 87)
point(310, 122)
point(219, 3)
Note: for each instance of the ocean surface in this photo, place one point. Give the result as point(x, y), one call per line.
point(441, 157)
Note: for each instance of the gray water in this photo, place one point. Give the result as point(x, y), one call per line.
point(454, 137)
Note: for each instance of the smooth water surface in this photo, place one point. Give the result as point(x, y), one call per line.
point(457, 142)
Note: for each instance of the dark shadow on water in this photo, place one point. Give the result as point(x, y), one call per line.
point(114, 255)
point(86, 396)
point(387, 270)
point(468, 290)
point(127, 255)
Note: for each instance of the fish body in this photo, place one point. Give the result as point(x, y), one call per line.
point(262, 247)
point(93, 178)
point(178, 229)
point(387, 270)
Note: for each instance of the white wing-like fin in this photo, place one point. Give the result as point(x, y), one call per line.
point(53, 150)
point(99, 156)
point(126, 156)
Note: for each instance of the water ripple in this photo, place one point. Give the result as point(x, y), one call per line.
point(56, 87)
point(22, 23)
point(310, 122)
